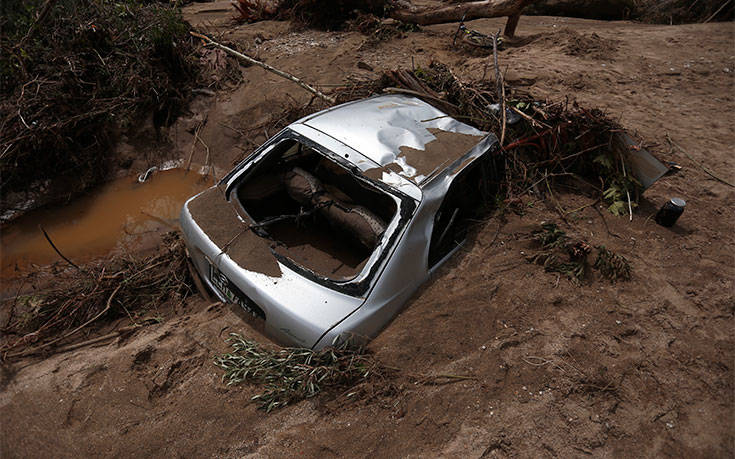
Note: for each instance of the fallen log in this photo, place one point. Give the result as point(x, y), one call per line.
point(407, 12)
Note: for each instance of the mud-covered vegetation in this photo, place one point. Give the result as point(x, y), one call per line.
point(75, 73)
point(293, 374)
point(78, 300)
point(559, 253)
point(310, 13)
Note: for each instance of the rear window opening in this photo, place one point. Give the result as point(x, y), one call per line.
point(318, 213)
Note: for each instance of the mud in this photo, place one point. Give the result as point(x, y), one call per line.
point(121, 215)
point(439, 153)
point(376, 173)
point(634, 369)
point(222, 223)
point(331, 257)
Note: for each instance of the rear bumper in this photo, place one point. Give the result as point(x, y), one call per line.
point(298, 312)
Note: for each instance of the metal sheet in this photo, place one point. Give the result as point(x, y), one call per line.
point(645, 168)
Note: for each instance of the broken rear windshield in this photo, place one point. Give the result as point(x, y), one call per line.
point(324, 220)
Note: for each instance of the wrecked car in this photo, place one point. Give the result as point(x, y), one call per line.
point(324, 232)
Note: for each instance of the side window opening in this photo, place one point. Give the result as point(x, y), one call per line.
point(468, 199)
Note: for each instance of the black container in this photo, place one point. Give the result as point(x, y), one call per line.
point(670, 212)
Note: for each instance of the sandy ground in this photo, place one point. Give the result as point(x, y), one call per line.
point(642, 368)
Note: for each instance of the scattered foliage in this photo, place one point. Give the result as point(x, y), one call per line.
point(562, 254)
point(293, 374)
point(559, 253)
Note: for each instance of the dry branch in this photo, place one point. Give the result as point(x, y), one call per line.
point(265, 66)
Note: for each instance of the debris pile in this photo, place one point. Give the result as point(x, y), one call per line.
point(80, 299)
point(311, 13)
point(562, 254)
point(73, 73)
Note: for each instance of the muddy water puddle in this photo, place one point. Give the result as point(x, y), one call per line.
point(121, 215)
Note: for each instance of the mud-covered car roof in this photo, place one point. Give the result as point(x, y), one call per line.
point(404, 136)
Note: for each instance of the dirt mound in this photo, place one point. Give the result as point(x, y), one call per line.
point(591, 46)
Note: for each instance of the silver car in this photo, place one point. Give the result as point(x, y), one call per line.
point(324, 232)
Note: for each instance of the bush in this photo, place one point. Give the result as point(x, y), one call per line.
point(75, 72)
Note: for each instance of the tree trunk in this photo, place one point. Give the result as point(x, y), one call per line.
point(454, 12)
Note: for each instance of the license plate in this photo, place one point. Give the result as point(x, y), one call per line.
point(232, 293)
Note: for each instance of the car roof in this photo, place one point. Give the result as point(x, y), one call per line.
point(393, 131)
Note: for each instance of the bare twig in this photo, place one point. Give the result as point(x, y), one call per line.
point(53, 246)
point(41, 16)
point(707, 171)
point(500, 85)
point(716, 12)
point(107, 308)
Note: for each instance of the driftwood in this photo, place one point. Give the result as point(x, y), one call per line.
point(454, 12)
point(402, 10)
point(267, 67)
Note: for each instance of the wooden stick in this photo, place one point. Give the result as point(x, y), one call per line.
point(53, 246)
point(672, 143)
point(627, 193)
point(267, 67)
point(418, 94)
point(499, 84)
point(717, 12)
point(510, 26)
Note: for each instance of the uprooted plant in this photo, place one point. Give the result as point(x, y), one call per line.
point(293, 374)
point(562, 254)
point(559, 253)
point(80, 299)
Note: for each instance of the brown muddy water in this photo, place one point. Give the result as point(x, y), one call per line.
point(121, 215)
